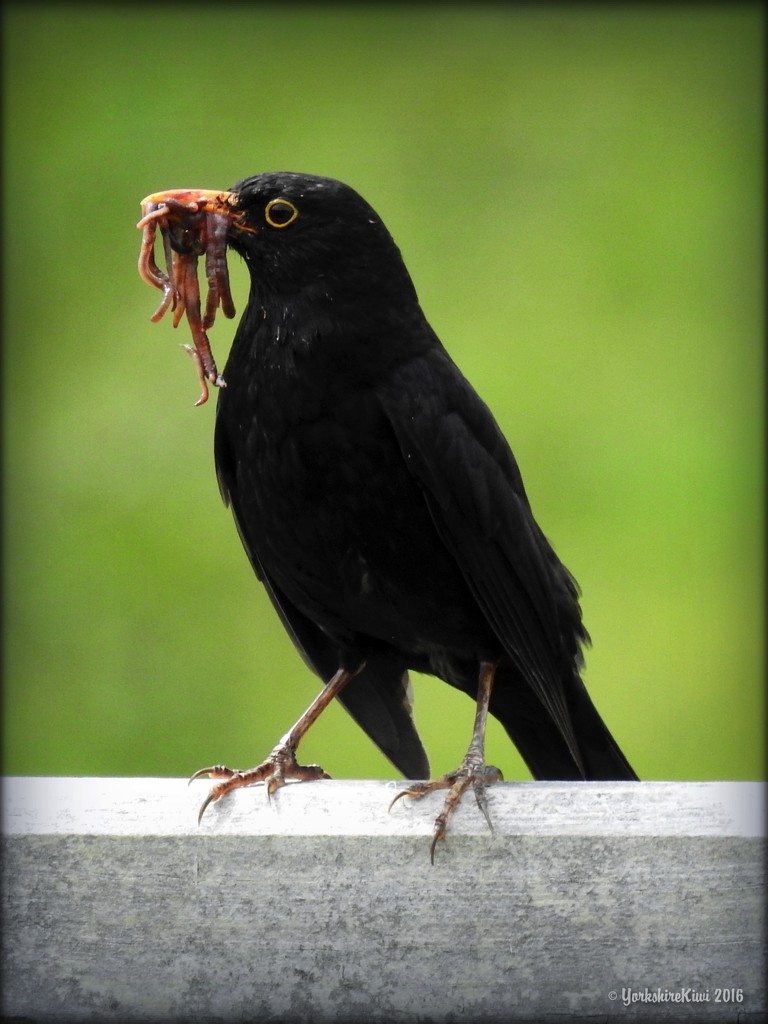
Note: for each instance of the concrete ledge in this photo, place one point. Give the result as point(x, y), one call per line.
point(590, 901)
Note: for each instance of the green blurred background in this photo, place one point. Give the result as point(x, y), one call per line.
point(577, 192)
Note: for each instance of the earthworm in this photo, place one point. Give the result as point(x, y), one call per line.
point(189, 229)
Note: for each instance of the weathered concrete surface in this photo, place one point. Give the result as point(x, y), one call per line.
point(590, 901)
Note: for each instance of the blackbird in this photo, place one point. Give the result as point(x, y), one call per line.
point(381, 506)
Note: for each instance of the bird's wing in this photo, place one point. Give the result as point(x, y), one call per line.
point(379, 698)
point(472, 486)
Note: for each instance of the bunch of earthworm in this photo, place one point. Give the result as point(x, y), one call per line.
point(190, 226)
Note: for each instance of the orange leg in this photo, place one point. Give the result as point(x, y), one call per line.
point(473, 770)
point(281, 763)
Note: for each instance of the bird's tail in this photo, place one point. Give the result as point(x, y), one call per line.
point(541, 743)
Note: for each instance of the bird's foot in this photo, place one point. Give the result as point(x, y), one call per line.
point(280, 766)
point(473, 772)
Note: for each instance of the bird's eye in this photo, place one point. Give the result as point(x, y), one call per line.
point(279, 213)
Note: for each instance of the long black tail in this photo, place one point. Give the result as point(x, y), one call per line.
point(541, 744)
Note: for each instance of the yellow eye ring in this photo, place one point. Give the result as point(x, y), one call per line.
point(279, 213)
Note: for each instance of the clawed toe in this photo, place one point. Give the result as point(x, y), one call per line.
point(471, 773)
point(216, 771)
point(419, 789)
point(279, 767)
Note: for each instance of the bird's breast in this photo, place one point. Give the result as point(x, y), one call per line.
point(323, 494)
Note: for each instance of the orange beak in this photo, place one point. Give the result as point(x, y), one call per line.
point(195, 199)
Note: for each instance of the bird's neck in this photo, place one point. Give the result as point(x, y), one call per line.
point(335, 333)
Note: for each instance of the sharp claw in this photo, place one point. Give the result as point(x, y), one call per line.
point(477, 775)
point(482, 802)
point(419, 789)
point(438, 836)
point(398, 796)
point(273, 772)
point(216, 770)
point(273, 783)
point(203, 807)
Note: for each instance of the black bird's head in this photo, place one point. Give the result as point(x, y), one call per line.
point(300, 231)
point(322, 266)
